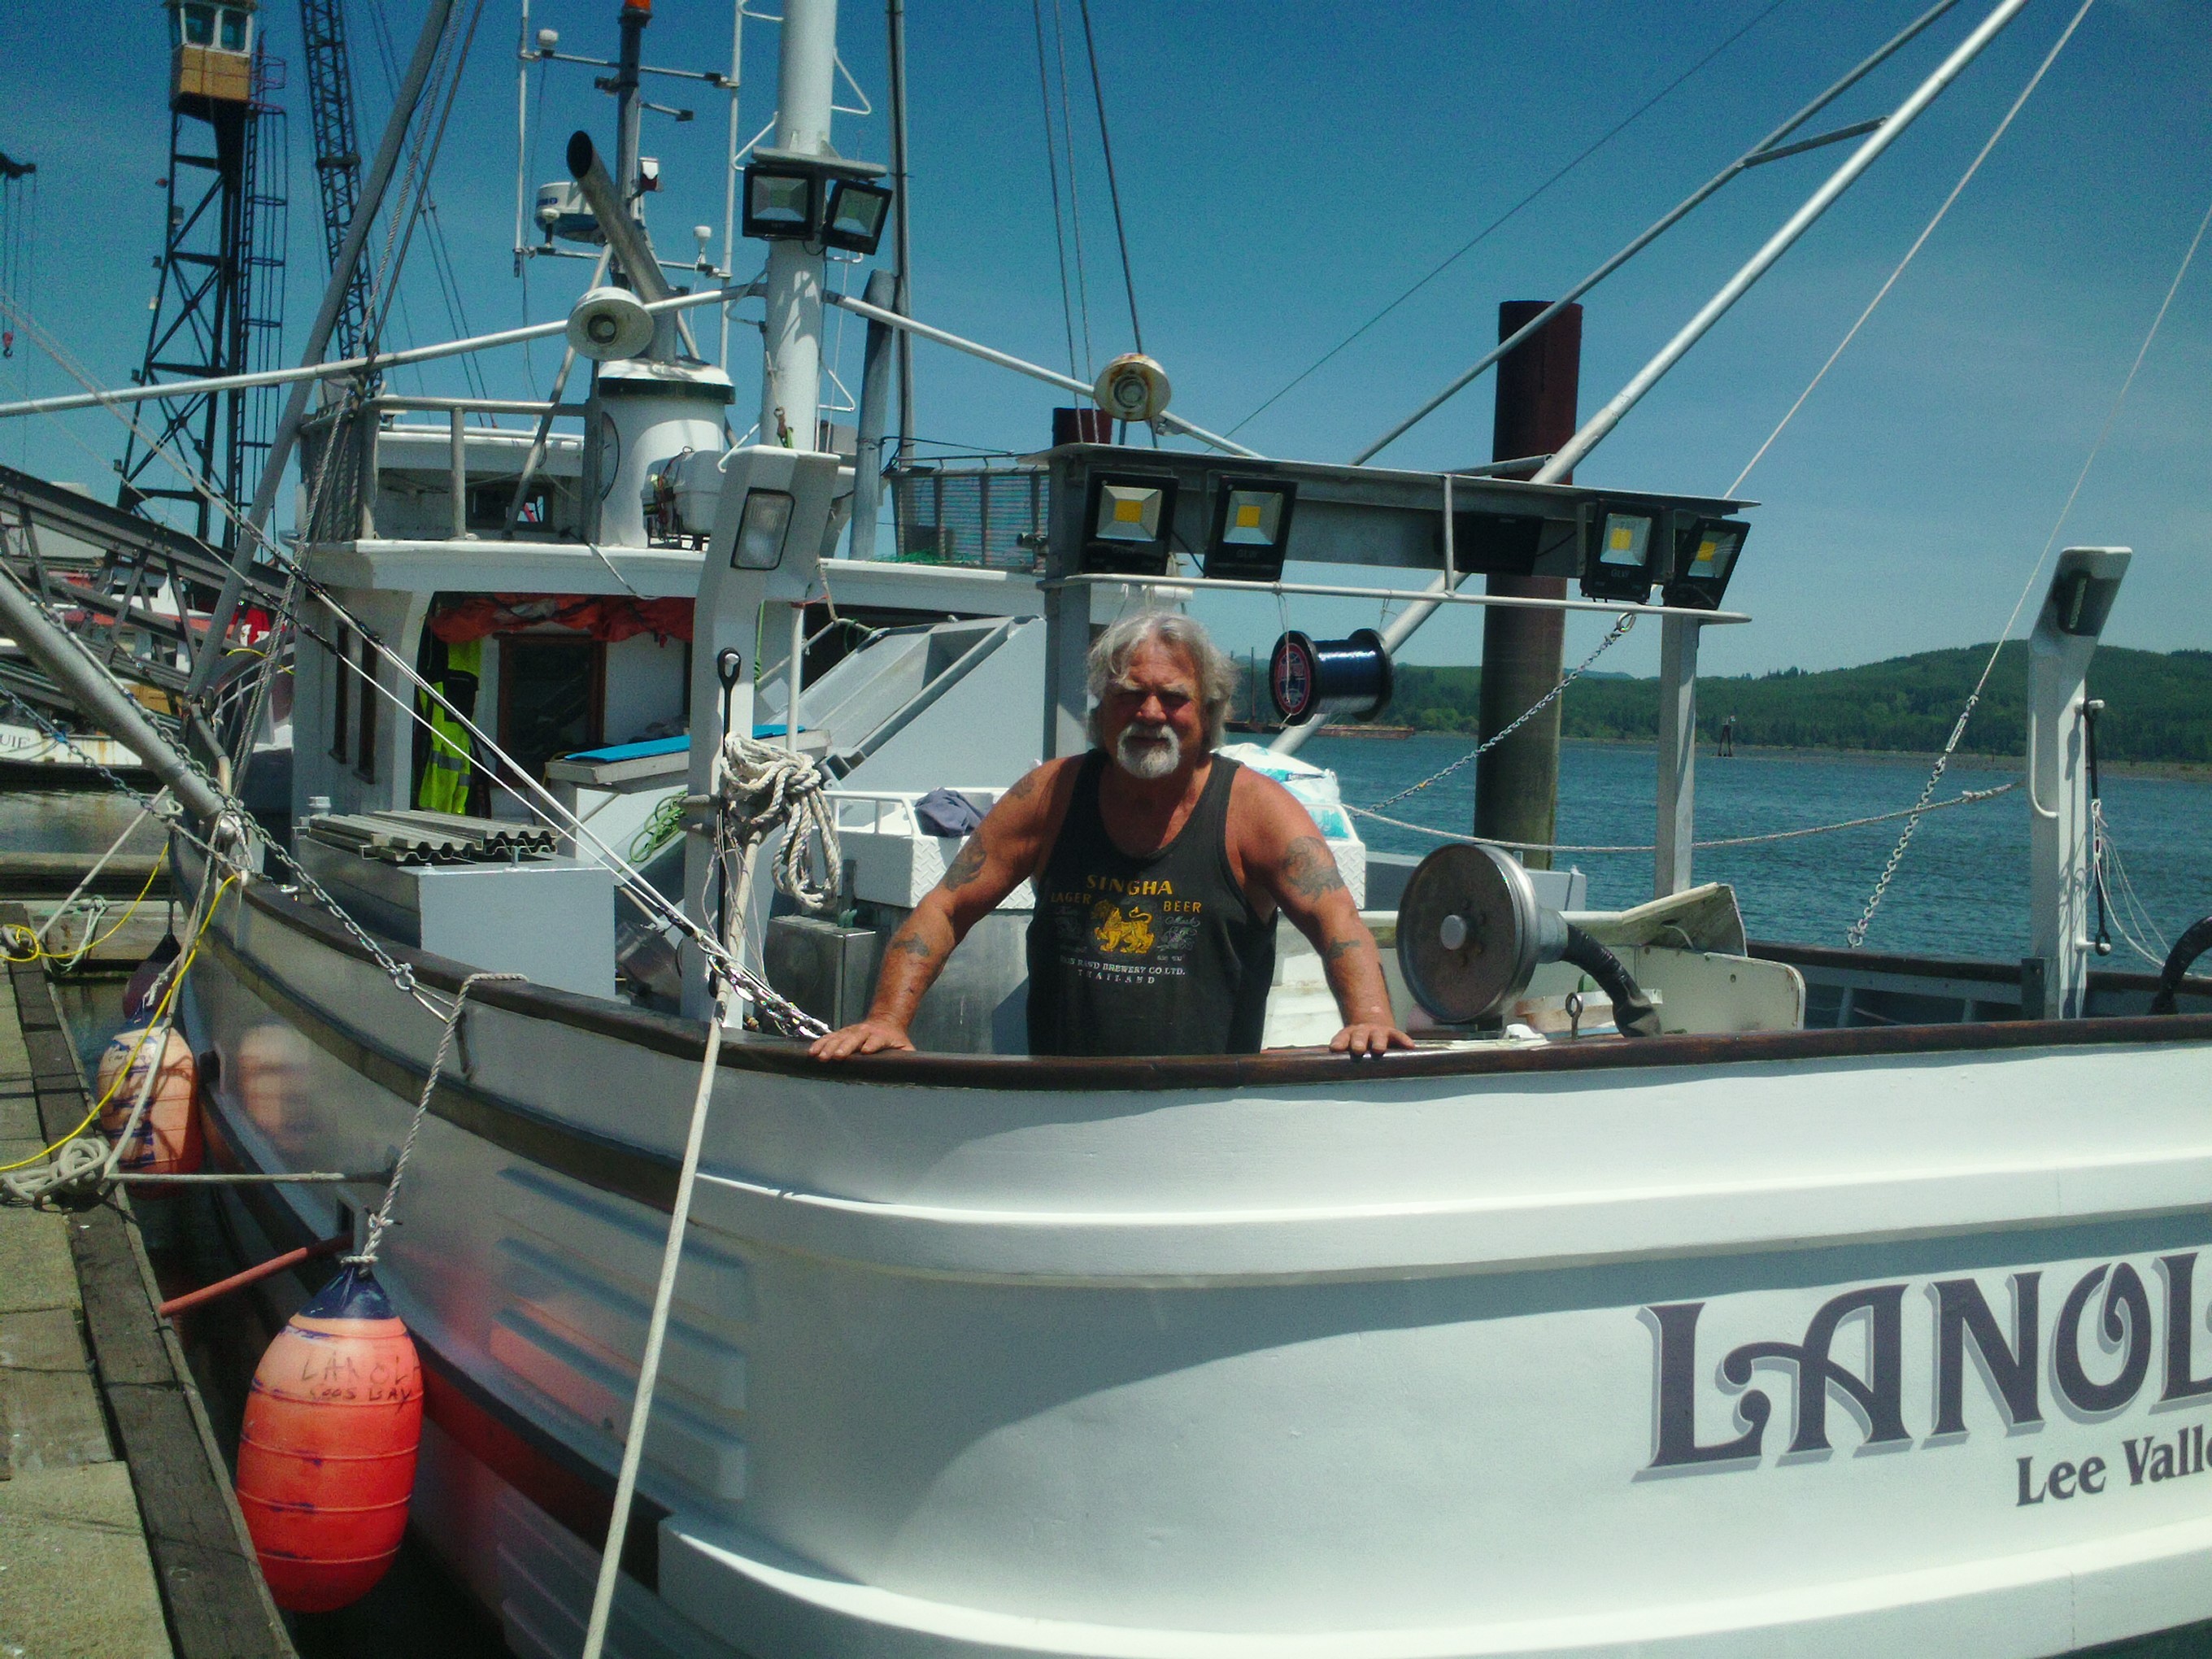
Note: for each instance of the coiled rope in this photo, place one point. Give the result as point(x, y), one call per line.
point(764, 787)
point(78, 1166)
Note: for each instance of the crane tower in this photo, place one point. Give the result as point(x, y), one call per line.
point(218, 301)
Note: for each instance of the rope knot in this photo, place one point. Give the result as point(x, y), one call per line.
point(764, 787)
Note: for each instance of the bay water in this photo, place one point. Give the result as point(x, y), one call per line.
point(1961, 889)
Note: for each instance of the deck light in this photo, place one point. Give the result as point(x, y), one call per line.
point(762, 528)
point(782, 203)
point(1127, 524)
point(1251, 529)
point(1622, 560)
point(856, 216)
point(1705, 552)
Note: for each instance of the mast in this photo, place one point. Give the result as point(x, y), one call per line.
point(901, 246)
point(629, 109)
point(791, 387)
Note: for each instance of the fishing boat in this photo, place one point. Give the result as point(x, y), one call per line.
point(1855, 1309)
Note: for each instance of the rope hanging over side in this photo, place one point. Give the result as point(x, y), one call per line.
point(764, 787)
point(382, 1218)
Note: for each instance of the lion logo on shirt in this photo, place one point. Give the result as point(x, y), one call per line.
point(1129, 934)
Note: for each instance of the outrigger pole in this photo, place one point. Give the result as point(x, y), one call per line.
point(1594, 430)
point(403, 105)
point(116, 395)
point(103, 701)
point(1769, 149)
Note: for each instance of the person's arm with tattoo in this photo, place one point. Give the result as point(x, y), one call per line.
point(1285, 853)
point(998, 858)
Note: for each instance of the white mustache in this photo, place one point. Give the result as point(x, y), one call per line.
point(1148, 751)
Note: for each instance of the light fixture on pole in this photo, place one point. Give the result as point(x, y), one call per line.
point(858, 212)
point(1127, 521)
point(1624, 554)
point(1251, 529)
point(1705, 552)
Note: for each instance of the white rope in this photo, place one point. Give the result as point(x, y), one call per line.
point(1968, 798)
point(93, 875)
point(656, 1334)
point(2123, 906)
point(767, 787)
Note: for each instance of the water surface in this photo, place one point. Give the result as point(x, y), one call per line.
point(1960, 891)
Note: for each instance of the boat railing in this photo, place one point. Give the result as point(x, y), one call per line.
point(893, 811)
point(344, 461)
point(990, 516)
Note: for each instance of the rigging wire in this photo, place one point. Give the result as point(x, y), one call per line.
point(1052, 174)
point(1882, 292)
point(453, 57)
point(1113, 184)
point(1856, 936)
point(1074, 191)
point(1469, 245)
point(1965, 797)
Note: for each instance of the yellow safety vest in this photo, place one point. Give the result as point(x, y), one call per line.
point(447, 769)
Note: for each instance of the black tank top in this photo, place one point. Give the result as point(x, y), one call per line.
point(1159, 955)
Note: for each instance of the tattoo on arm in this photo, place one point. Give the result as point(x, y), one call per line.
point(966, 865)
point(913, 945)
point(1337, 949)
point(1309, 871)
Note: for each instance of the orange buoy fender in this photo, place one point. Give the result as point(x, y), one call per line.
point(326, 1456)
point(169, 1139)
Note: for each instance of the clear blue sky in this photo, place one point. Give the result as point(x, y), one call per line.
point(1288, 167)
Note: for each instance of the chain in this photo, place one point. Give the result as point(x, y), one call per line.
point(1527, 714)
point(152, 804)
point(1855, 936)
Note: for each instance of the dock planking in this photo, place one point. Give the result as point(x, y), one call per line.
point(211, 1598)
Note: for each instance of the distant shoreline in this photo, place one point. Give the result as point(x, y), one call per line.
point(2178, 771)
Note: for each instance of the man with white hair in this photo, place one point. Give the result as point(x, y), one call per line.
point(1159, 868)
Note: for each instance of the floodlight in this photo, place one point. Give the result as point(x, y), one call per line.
point(1251, 529)
point(1622, 559)
point(1127, 519)
point(1705, 551)
point(782, 203)
point(762, 526)
point(857, 214)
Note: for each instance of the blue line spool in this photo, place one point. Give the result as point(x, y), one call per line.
point(1329, 679)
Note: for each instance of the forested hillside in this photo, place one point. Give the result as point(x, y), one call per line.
point(2158, 707)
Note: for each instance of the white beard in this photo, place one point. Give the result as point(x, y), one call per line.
point(1149, 754)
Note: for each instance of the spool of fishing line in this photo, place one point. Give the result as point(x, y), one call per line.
point(1329, 679)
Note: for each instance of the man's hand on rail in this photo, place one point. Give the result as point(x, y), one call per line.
point(870, 1037)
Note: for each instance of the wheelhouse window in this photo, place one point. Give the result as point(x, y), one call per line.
point(341, 693)
point(551, 697)
point(199, 25)
point(231, 30)
point(364, 757)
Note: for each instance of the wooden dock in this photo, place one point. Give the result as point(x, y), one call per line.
point(118, 1534)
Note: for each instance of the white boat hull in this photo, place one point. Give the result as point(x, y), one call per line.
point(1286, 1356)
